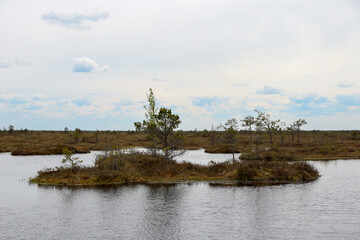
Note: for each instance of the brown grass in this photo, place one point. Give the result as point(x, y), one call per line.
point(276, 171)
point(122, 167)
point(314, 144)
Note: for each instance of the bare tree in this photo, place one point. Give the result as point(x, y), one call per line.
point(268, 125)
point(249, 121)
point(292, 130)
point(281, 130)
point(298, 124)
point(230, 128)
point(259, 127)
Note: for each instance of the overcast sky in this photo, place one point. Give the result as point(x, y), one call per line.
point(89, 63)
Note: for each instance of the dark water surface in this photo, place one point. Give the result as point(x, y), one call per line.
point(328, 208)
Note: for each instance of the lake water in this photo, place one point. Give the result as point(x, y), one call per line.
point(328, 208)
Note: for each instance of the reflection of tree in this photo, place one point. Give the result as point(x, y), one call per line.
point(163, 211)
point(125, 212)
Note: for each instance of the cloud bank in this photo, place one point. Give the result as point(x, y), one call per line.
point(88, 65)
point(5, 64)
point(268, 90)
point(345, 85)
point(75, 20)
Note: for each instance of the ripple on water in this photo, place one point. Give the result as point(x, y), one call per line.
point(324, 209)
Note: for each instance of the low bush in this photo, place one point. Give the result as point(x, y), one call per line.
point(276, 171)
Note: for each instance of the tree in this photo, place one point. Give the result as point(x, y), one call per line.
point(354, 134)
point(267, 124)
point(149, 125)
point(137, 126)
point(292, 129)
point(298, 124)
point(166, 122)
point(66, 129)
point(281, 129)
point(259, 128)
point(231, 128)
point(73, 162)
point(160, 125)
point(151, 107)
point(76, 134)
point(11, 129)
point(249, 121)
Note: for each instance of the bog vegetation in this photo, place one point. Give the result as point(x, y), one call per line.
point(257, 136)
point(130, 166)
point(158, 133)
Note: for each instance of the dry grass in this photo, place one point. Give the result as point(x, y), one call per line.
point(276, 171)
point(126, 167)
point(314, 144)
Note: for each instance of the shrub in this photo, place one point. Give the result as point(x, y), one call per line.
point(276, 171)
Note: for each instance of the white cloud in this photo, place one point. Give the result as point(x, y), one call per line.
point(268, 90)
point(88, 65)
point(75, 20)
point(226, 49)
point(345, 85)
point(5, 64)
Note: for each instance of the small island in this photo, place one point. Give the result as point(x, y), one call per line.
point(131, 166)
point(157, 164)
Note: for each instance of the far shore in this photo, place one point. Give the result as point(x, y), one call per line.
point(313, 146)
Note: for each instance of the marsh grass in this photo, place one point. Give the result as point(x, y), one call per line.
point(314, 144)
point(133, 166)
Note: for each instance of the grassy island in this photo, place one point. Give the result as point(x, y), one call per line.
point(164, 143)
point(132, 166)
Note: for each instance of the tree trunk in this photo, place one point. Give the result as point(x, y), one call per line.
point(298, 136)
point(251, 140)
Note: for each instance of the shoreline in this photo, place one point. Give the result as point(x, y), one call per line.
point(217, 183)
point(328, 158)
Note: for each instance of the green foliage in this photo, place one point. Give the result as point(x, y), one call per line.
point(160, 125)
point(137, 126)
point(69, 160)
point(151, 108)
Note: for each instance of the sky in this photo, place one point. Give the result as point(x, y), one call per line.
point(88, 63)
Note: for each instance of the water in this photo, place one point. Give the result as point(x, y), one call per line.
point(328, 208)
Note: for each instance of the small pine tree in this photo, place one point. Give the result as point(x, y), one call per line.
point(69, 160)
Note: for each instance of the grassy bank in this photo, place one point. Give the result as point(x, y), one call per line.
point(123, 167)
